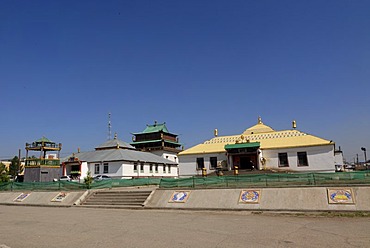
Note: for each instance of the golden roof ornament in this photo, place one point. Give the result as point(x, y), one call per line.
point(294, 124)
point(259, 120)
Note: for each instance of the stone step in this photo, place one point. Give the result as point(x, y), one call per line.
point(122, 193)
point(117, 198)
point(114, 203)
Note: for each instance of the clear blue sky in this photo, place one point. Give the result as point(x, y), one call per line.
point(197, 65)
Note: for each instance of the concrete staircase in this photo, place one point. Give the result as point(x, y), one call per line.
point(119, 199)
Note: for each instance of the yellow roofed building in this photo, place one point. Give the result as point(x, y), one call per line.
point(260, 147)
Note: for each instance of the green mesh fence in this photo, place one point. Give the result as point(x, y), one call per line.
point(270, 180)
point(251, 180)
point(71, 186)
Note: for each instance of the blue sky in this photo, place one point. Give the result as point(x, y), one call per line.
point(196, 65)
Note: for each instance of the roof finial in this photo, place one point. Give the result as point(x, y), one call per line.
point(294, 124)
point(155, 123)
point(115, 136)
point(215, 132)
point(259, 120)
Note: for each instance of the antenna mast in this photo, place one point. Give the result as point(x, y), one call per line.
point(109, 128)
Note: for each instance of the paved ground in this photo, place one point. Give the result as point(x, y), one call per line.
point(84, 227)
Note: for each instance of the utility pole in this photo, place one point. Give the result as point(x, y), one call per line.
point(109, 128)
point(19, 163)
point(364, 150)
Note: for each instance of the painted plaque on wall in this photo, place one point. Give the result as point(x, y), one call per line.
point(21, 197)
point(180, 196)
point(59, 197)
point(250, 196)
point(340, 196)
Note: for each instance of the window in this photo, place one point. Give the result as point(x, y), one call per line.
point(97, 168)
point(141, 167)
point(106, 168)
point(200, 163)
point(135, 167)
point(302, 159)
point(156, 168)
point(168, 169)
point(151, 168)
point(164, 168)
point(213, 162)
point(283, 160)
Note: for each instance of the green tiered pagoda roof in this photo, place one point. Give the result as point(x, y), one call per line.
point(155, 137)
point(155, 128)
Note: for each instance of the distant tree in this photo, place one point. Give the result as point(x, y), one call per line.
point(3, 173)
point(14, 168)
point(88, 180)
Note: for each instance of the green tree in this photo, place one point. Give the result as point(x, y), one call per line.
point(88, 180)
point(3, 173)
point(14, 167)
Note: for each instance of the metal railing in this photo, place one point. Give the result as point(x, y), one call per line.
point(39, 162)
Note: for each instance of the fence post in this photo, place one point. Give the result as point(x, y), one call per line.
point(314, 180)
point(193, 183)
point(266, 179)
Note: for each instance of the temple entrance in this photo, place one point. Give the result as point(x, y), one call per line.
point(244, 162)
point(247, 163)
point(244, 155)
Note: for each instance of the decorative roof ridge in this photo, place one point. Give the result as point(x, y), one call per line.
point(44, 139)
point(115, 144)
point(156, 127)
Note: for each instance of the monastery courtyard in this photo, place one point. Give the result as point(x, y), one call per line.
point(93, 227)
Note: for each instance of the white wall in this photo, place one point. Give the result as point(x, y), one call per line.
point(320, 158)
point(188, 163)
point(338, 158)
point(167, 155)
point(114, 169)
point(124, 169)
point(84, 170)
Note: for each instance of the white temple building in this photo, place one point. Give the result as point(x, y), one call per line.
point(263, 148)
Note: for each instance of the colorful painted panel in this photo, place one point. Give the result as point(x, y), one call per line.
point(21, 197)
point(59, 197)
point(180, 196)
point(340, 196)
point(250, 196)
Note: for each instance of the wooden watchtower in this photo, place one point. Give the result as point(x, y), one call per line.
point(46, 166)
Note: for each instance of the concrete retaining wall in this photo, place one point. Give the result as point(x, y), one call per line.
point(41, 198)
point(292, 199)
point(275, 199)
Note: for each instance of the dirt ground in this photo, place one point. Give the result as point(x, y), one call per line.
point(90, 227)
